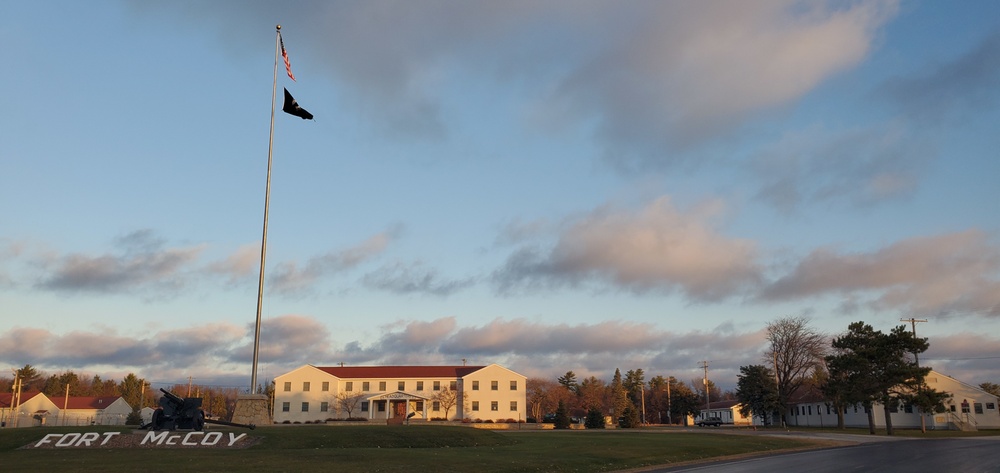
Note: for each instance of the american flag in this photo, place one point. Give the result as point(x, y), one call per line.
point(284, 54)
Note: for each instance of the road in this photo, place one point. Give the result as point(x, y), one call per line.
point(951, 455)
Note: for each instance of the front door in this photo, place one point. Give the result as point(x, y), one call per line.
point(399, 409)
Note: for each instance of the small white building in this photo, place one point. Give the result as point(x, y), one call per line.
point(398, 393)
point(90, 410)
point(969, 408)
point(726, 411)
point(31, 410)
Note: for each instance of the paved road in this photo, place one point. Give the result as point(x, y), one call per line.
point(954, 455)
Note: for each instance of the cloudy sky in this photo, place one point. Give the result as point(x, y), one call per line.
point(558, 185)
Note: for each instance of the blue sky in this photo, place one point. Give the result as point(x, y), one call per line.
point(551, 186)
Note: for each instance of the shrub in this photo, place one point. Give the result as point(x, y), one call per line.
point(595, 419)
point(562, 416)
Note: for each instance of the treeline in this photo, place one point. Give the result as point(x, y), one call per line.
point(629, 400)
point(138, 392)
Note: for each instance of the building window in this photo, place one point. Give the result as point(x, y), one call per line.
point(810, 410)
point(366, 386)
point(364, 406)
point(349, 386)
point(326, 385)
point(420, 385)
point(494, 406)
point(513, 385)
point(475, 405)
point(827, 409)
point(978, 407)
point(401, 385)
point(990, 406)
point(286, 406)
point(893, 409)
point(908, 409)
point(380, 406)
point(324, 406)
point(418, 406)
point(494, 385)
point(305, 407)
point(435, 406)
point(437, 385)
point(288, 386)
point(475, 385)
point(952, 407)
point(305, 386)
point(453, 385)
point(513, 405)
point(381, 385)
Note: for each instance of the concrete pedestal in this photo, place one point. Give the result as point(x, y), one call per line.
point(252, 409)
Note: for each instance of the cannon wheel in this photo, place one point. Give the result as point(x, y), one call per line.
point(157, 419)
point(199, 420)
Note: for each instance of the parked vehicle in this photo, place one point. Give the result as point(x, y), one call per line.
point(709, 422)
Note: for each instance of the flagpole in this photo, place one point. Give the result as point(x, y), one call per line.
point(267, 201)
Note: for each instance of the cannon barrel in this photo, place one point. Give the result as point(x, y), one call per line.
point(173, 397)
point(231, 424)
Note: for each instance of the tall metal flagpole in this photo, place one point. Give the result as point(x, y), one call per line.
point(267, 201)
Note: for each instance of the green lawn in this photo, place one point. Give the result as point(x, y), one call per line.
point(396, 449)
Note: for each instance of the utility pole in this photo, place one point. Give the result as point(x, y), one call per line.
point(916, 361)
point(670, 416)
point(913, 323)
point(189, 386)
point(708, 400)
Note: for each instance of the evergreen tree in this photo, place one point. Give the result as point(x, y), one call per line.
point(568, 381)
point(617, 396)
point(595, 419)
point(757, 392)
point(630, 417)
point(562, 420)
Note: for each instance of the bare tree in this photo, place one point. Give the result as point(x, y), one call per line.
point(348, 401)
point(542, 396)
point(449, 398)
point(796, 351)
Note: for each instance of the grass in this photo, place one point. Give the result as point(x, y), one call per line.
point(397, 449)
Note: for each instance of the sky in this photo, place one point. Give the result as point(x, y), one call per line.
point(552, 186)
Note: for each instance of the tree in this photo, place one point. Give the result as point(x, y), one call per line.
point(795, 352)
point(683, 401)
point(991, 388)
point(876, 367)
point(757, 392)
point(617, 395)
point(568, 381)
point(630, 417)
point(449, 398)
point(30, 378)
point(699, 385)
point(131, 388)
point(635, 385)
point(591, 394)
point(595, 419)
point(348, 401)
point(562, 416)
point(541, 396)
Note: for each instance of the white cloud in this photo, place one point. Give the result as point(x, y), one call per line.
point(658, 248)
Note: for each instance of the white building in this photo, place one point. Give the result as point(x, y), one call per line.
point(726, 411)
point(31, 410)
point(397, 393)
point(87, 410)
point(969, 408)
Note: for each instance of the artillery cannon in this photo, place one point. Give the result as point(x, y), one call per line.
point(183, 413)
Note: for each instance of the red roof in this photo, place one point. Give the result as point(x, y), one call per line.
point(85, 402)
point(396, 372)
point(7, 399)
